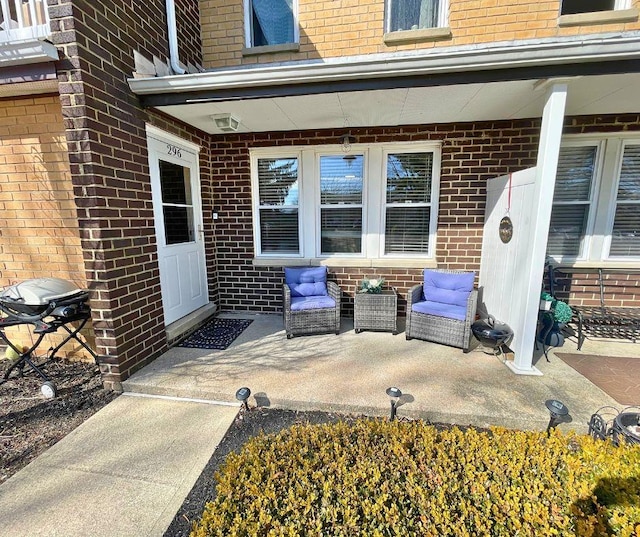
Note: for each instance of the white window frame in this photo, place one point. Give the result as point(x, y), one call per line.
point(597, 241)
point(373, 207)
point(435, 195)
point(320, 206)
point(614, 202)
point(248, 37)
point(592, 202)
point(282, 153)
point(443, 16)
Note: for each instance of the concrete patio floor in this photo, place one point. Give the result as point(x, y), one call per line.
point(350, 372)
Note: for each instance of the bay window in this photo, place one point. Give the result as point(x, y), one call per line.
point(377, 201)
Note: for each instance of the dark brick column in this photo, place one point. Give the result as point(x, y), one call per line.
point(105, 129)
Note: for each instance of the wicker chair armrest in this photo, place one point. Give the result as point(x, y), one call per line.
point(334, 292)
point(414, 295)
point(286, 294)
point(472, 305)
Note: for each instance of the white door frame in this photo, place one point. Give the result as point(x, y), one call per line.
point(183, 269)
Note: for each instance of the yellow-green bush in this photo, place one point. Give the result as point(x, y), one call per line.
point(376, 478)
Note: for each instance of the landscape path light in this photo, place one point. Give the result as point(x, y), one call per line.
point(242, 395)
point(394, 395)
point(557, 411)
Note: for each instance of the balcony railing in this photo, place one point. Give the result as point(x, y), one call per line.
point(23, 20)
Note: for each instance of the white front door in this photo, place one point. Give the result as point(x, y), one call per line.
point(177, 209)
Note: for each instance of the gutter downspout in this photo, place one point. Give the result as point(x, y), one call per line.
point(172, 34)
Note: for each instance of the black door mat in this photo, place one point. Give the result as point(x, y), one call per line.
point(216, 334)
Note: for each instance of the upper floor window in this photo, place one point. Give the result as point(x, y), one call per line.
point(572, 7)
point(270, 22)
point(414, 14)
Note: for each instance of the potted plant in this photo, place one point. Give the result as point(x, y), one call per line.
point(372, 285)
point(553, 324)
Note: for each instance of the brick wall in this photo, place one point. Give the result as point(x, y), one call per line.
point(38, 227)
point(471, 154)
point(352, 27)
point(109, 169)
point(580, 289)
point(188, 29)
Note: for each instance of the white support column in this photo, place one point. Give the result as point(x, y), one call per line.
point(546, 168)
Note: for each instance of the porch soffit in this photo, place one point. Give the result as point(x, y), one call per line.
point(501, 81)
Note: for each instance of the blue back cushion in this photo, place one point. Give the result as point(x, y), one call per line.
point(306, 281)
point(448, 288)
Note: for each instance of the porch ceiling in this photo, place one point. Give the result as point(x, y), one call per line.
point(602, 94)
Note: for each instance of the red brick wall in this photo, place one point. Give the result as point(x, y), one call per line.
point(471, 154)
point(580, 289)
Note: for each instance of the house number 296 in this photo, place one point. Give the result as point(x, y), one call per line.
point(174, 151)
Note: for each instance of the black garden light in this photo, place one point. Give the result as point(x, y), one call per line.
point(394, 395)
point(242, 395)
point(557, 410)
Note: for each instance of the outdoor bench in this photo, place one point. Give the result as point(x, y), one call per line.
point(609, 290)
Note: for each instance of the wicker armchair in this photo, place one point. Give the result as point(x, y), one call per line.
point(311, 304)
point(437, 321)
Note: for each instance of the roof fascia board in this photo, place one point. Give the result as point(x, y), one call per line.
point(434, 61)
point(439, 79)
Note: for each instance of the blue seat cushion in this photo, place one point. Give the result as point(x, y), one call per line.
point(448, 288)
point(299, 303)
point(451, 311)
point(306, 281)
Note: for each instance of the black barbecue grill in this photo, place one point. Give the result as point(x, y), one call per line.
point(47, 304)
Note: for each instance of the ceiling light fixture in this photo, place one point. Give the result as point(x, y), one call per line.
point(346, 140)
point(226, 122)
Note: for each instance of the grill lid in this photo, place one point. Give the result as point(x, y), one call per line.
point(38, 292)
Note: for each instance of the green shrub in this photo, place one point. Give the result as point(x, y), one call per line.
point(374, 477)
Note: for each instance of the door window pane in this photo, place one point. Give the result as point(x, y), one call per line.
point(625, 236)
point(278, 199)
point(271, 22)
point(341, 189)
point(177, 205)
point(571, 201)
point(412, 14)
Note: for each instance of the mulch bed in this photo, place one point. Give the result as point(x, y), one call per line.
point(29, 423)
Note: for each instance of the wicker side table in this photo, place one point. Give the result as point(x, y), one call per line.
point(376, 311)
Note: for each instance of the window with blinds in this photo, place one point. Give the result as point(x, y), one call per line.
point(377, 201)
point(572, 201)
point(408, 203)
point(278, 205)
point(625, 235)
point(341, 189)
